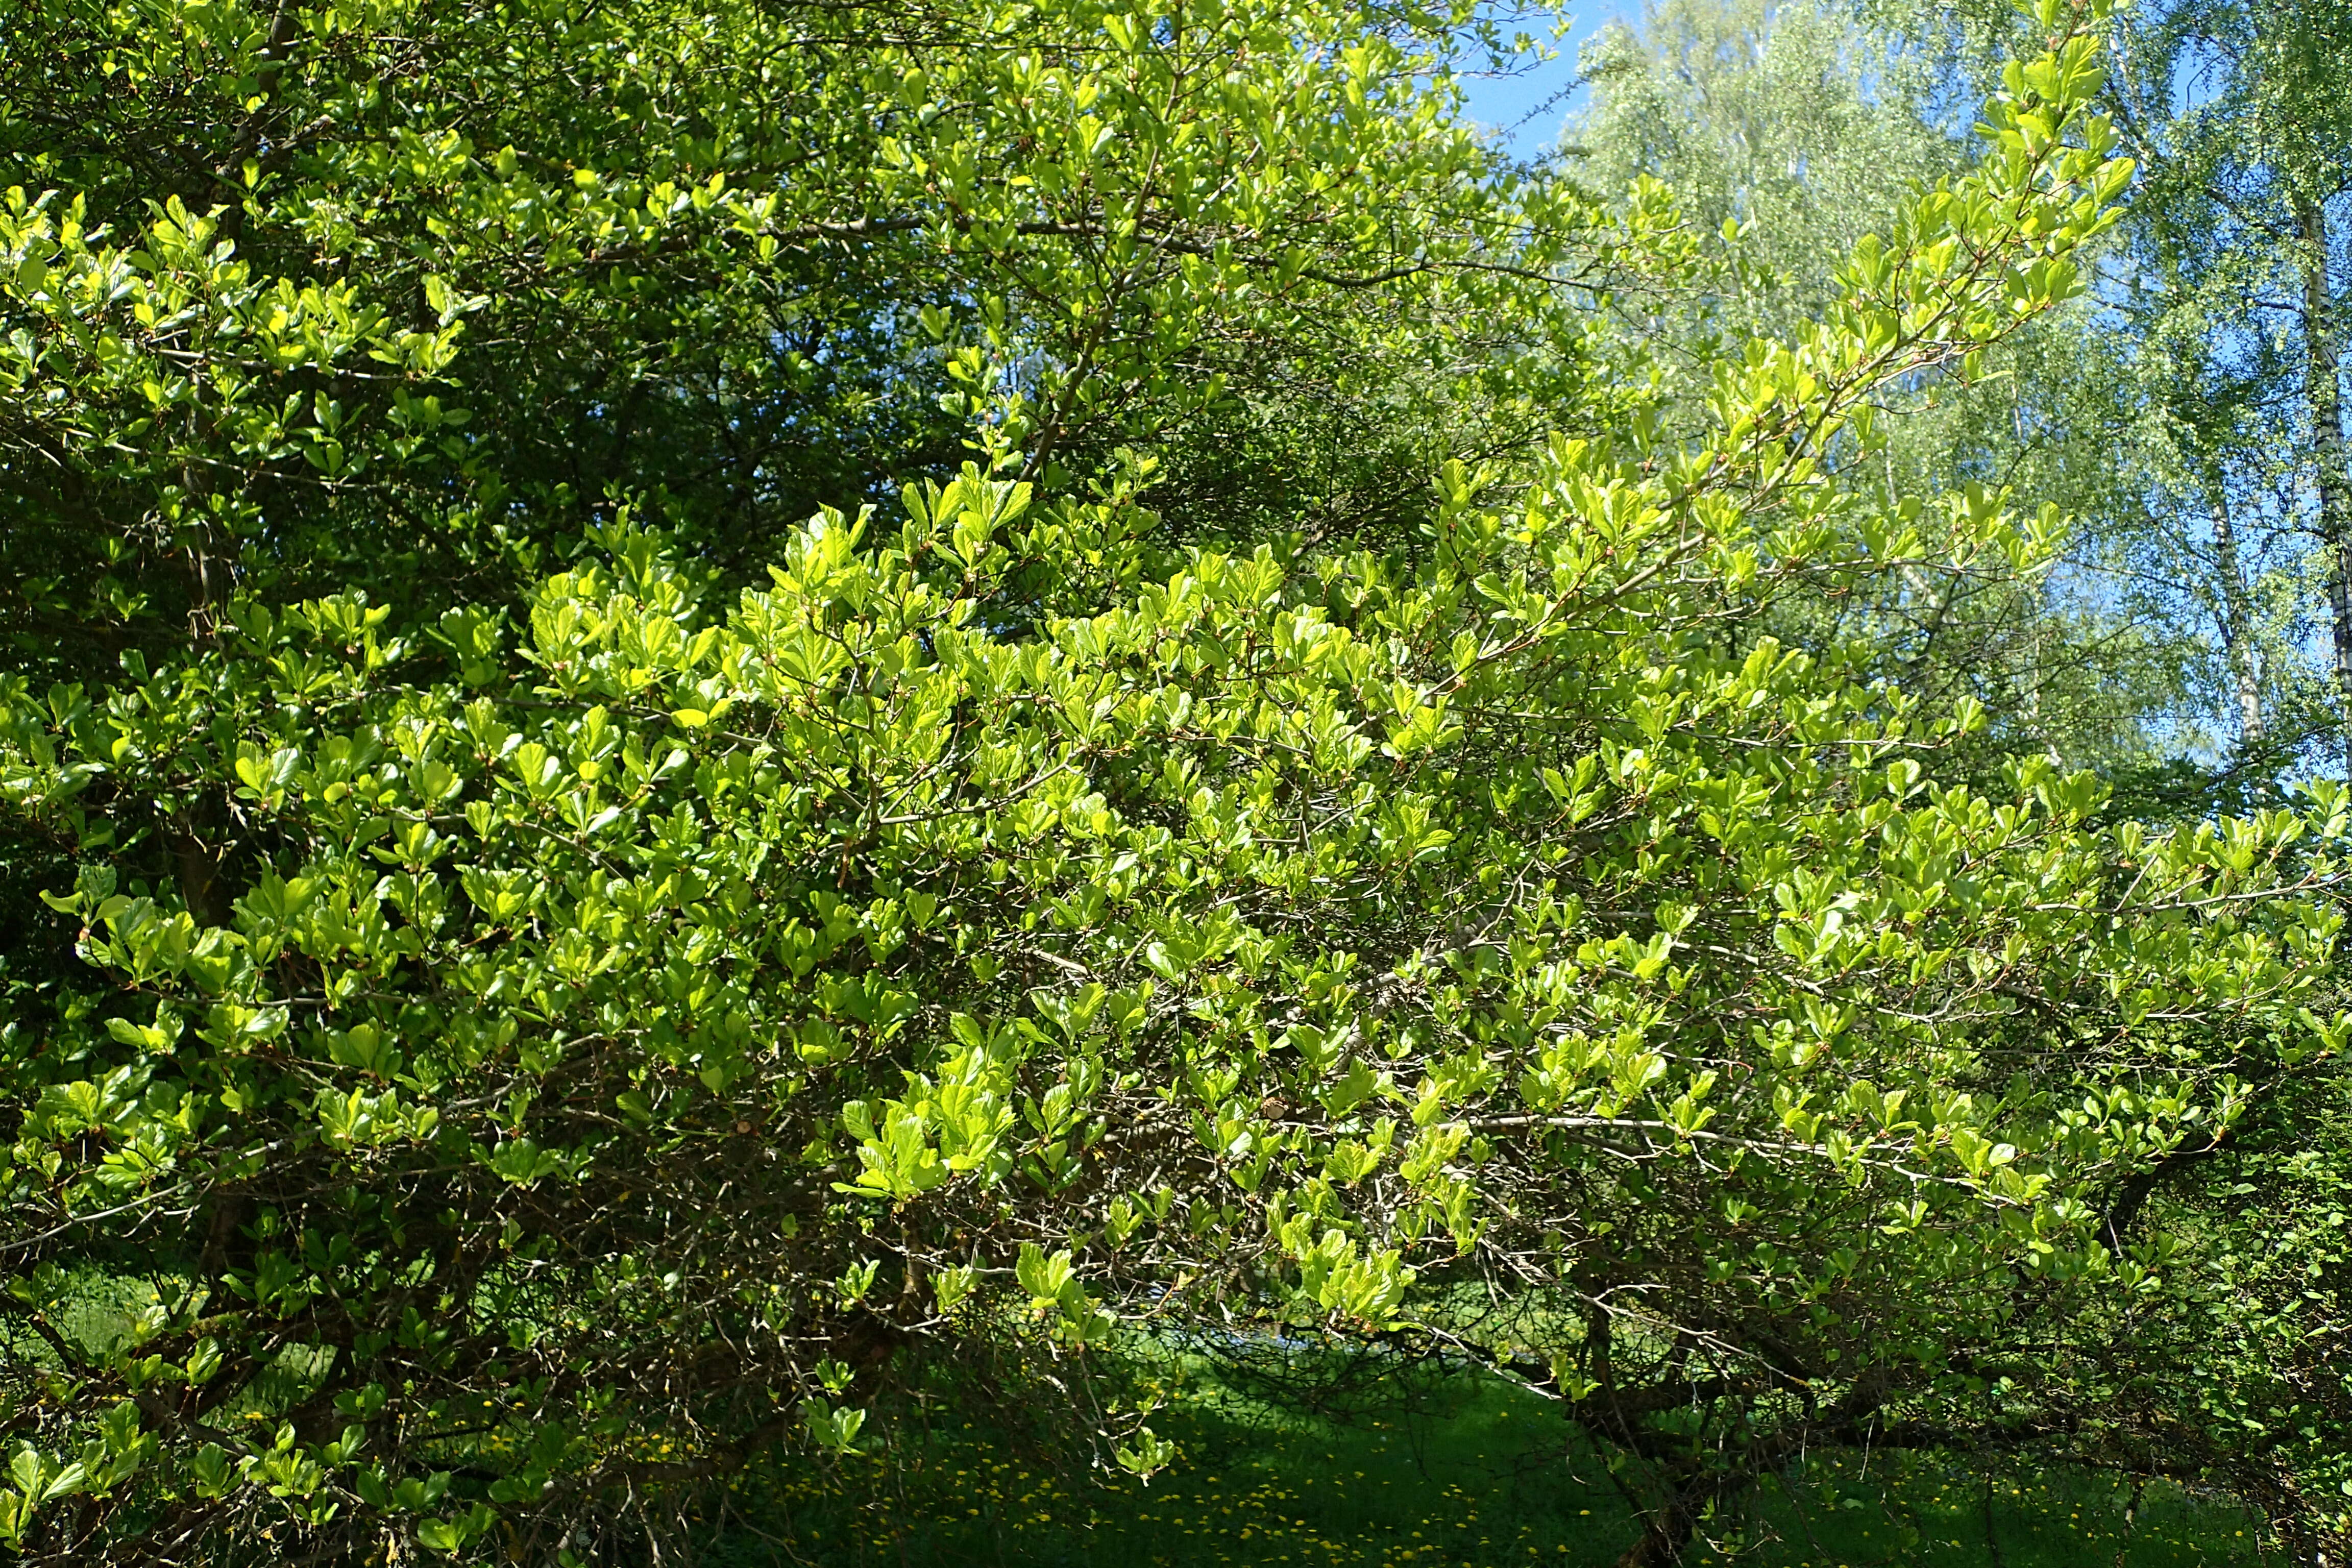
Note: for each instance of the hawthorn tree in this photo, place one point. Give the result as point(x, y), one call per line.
point(526, 1013)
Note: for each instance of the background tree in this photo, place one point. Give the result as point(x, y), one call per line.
point(1786, 133)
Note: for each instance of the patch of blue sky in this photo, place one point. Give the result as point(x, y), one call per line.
point(1524, 104)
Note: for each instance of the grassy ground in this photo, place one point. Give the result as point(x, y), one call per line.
point(1475, 1478)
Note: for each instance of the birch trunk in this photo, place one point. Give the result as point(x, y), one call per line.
point(2238, 619)
point(2323, 369)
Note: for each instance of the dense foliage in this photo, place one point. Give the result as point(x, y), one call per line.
point(714, 711)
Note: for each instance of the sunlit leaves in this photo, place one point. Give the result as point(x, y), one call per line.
point(632, 1004)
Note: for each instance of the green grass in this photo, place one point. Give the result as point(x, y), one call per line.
point(1476, 1476)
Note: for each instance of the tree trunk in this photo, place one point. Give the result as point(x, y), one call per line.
point(2238, 619)
point(1668, 1532)
point(2322, 385)
point(1661, 1543)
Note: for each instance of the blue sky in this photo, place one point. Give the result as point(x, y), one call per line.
point(1502, 103)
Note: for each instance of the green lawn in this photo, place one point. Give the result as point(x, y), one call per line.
point(1475, 1476)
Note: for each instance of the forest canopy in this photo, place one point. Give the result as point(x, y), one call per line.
point(716, 714)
